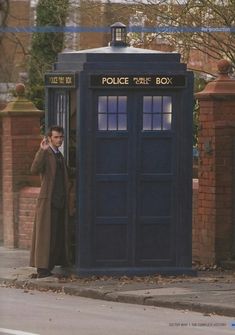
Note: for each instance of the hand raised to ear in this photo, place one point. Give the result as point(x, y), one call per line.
point(44, 145)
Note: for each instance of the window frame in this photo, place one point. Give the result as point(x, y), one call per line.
point(116, 115)
point(152, 114)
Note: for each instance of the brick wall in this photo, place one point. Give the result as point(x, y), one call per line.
point(215, 198)
point(26, 212)
point(225, 136)
point(7, 185)
point(214, 230)
point(206, 173)
point(19, 142)
point(25, 142)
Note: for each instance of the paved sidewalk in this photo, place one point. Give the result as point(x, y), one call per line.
point(211, 292)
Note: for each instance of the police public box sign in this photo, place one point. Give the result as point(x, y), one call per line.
point(135, 81)
point(60, 80)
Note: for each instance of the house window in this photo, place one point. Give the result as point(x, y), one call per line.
point(112, 113)
point(157, 112)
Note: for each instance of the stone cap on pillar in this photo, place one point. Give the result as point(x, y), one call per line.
point(223, 85)
point(20, 105)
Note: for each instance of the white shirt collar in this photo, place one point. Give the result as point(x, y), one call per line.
point(54, 150)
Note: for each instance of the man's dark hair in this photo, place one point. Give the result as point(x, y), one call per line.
point(59, 129)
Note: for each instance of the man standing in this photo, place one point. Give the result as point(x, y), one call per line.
point(50, 233)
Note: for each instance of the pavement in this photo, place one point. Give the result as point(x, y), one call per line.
point(212, 291)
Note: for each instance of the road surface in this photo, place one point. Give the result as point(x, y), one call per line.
point(47, 313)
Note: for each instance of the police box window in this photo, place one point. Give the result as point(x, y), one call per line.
point(112, 113)
point(157, 112)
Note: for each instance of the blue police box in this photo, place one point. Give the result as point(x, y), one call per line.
point(127, 114)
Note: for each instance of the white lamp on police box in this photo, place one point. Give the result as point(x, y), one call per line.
point(118, 35)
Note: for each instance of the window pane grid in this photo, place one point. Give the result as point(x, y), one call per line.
point(112, 113)
point(157, 113)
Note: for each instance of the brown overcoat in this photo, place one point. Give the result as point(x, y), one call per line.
point(45, 164)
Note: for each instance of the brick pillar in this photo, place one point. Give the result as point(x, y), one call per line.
point(20, 140)
point(215, 225)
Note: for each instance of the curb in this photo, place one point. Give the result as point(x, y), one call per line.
point(117, 296)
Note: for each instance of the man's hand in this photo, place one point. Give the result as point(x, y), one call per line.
point(44, 144)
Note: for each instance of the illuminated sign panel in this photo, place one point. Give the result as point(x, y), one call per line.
point(60, 80)
point(142, 81)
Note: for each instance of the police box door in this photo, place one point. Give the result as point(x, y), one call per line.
point(134, 208)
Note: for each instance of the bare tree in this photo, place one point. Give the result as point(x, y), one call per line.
point(4, 9)
point(201, 17)
point(14, 46)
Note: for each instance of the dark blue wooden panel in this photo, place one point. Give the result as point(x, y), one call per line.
point(156, 155)
point(111, 199)
point(155, 198)
point(155, 243)
point(111, 243)
point(111, 155)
